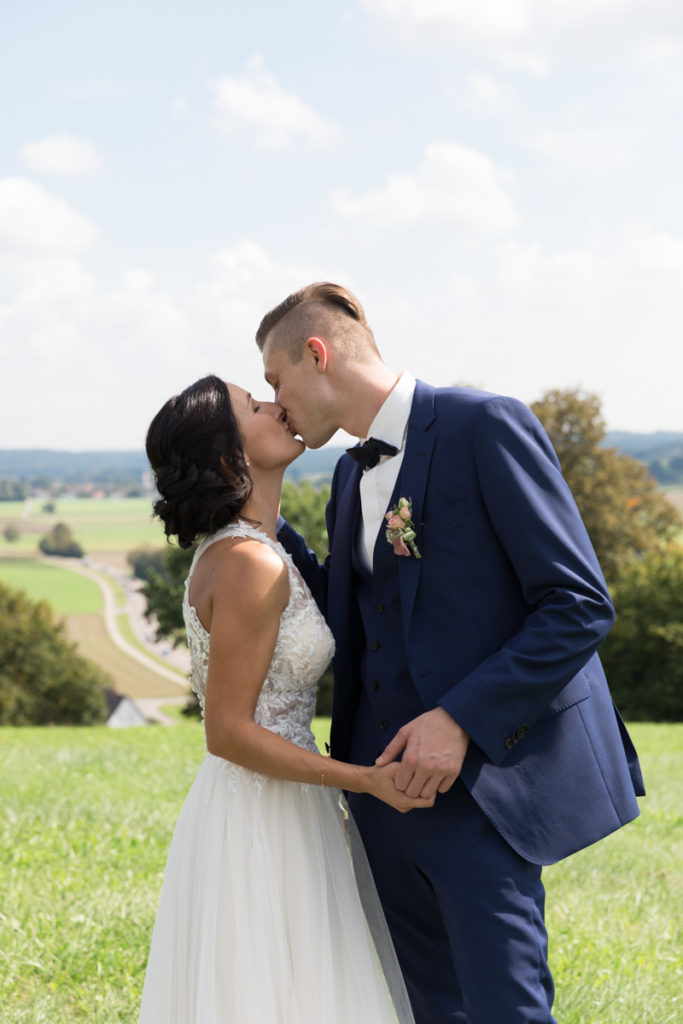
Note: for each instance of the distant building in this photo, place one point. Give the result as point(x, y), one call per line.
point(123, 712)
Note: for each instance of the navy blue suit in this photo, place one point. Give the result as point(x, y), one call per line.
point(499, 623)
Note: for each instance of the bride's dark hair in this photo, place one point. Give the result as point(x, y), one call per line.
point(194, 447)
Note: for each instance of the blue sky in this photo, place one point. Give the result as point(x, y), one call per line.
point(499, 183)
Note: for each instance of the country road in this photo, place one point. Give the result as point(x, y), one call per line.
point(134, 608)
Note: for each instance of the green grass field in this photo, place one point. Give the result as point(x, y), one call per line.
point(105, 524)
point(66, 591)
point(86, 816)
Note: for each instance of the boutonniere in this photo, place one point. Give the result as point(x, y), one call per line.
point(401, 528)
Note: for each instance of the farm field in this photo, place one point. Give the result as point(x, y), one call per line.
point(107, 529)
point(89, 634)
point(67, 592)
point(99, 525)
point(78, 602)
point(86, 816)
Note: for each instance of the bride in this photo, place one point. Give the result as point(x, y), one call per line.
point(260, 919)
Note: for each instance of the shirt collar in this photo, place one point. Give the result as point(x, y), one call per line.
point(392, 417)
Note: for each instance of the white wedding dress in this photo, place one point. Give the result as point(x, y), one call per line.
point(260, 919)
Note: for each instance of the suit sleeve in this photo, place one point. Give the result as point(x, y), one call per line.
point(306, 561)
point(315, 573)
point(536, 521)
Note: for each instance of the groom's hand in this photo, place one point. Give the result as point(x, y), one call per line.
point(433, 747)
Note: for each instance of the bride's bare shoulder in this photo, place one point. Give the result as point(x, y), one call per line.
point(245, 566)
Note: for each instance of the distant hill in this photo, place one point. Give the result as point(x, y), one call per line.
point(646, 445)
point(315, 464)
point(661, 452)
point(111, 467)
point(72, 467)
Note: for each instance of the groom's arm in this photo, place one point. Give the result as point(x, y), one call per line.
point(315, 573)
point(537, 523)
point(306, 561)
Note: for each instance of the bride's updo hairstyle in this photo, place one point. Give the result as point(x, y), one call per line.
point(194, 447)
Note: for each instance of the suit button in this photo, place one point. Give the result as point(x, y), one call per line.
point(384, 724)
point(374, 646)
point(509, 743)
point(374, 685)
point(379, 607)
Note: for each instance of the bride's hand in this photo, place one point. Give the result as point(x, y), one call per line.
point(382, 785)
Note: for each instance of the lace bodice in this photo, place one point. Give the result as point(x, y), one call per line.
point(303, 649)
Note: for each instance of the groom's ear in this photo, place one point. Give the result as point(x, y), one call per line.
point(318, 350)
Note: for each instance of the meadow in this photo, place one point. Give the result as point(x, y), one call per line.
point(86, 816)
point(67, 592)
point(98, 524)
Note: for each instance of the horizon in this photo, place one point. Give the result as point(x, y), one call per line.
point(330, 445)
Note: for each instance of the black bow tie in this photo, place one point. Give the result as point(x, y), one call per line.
point(368, 454)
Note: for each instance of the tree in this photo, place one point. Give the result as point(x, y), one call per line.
point(12, 490)
point(141, 560)
point(623, 510)
point(164, 588)
point(12, 532)
point(303, 506)
point(643, 653)
point(43, 680)
point(59, 541)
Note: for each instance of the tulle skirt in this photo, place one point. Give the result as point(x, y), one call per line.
point(260, 920)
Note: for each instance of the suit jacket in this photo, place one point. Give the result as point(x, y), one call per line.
point(502, 618)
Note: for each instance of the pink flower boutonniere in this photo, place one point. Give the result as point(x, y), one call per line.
point(401, 529)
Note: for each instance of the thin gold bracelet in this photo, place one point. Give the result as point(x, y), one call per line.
point(323, 780)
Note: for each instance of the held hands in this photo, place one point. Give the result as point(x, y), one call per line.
point(433, 747)
point(382, 784)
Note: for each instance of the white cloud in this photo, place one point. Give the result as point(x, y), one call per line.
point(87, 366)
point(34, 220)
point(639, 262)
point(484, 18)
point(61, 155)
point(523, 32)
point(452, 183)
point(604, 316)
point(257, 103)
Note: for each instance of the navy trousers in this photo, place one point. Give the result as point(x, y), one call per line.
point(466, 912)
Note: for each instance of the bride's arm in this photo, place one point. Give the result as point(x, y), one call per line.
point(249, 590)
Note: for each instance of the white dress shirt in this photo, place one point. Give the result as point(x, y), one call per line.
point(377, 484)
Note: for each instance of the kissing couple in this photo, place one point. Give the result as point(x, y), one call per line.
point(473, 732)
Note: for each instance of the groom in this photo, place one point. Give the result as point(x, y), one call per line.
point(468, 654)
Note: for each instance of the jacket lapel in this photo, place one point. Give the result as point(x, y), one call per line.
point(341, 558)
point(413, 484)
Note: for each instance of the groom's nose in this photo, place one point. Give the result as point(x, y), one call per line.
point(276, 410)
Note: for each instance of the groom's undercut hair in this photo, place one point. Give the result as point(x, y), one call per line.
point(325, 309)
